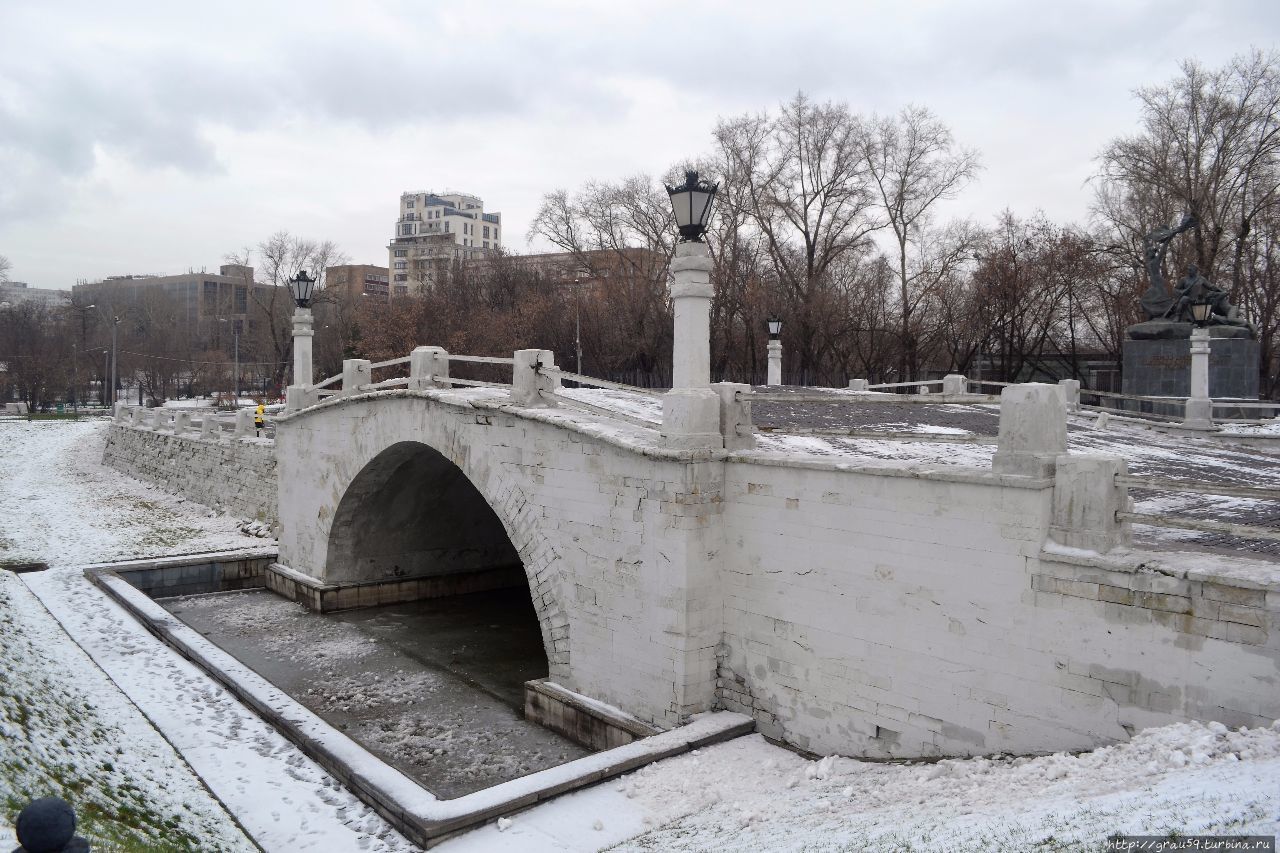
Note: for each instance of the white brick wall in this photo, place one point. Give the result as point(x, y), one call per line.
point(617, 546)
point(883, 615)
point(231, 475)
point(878, 612)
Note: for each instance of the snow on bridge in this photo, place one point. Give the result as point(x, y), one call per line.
point(983, 598)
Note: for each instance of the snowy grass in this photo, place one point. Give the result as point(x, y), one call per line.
point(62, 734)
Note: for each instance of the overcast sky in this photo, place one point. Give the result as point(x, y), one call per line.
point(158, 137)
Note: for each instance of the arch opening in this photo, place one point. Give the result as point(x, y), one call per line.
point(412, 513)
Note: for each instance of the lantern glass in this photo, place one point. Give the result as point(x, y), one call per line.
point(303, 286)
point(691, 204)
point(1200, 311)
point(775, 326)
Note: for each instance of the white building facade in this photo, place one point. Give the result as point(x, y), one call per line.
point(434, 229)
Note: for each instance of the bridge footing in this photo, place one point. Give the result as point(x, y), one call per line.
point(582, 720)
point(331, 597)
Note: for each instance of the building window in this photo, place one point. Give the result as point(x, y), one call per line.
point(486, 232)
point(401, 253)
point(406, 230)
point(486, 244)
point(210, 296)
point(242, 299)
point(408, 205)
point(402, 290)
point(446, 228)
point(401, 277)
point(401, 265)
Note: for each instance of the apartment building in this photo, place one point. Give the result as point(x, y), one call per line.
point(356, 280)
point(436, 229)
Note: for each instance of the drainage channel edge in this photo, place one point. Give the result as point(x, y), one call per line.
point(414, 811)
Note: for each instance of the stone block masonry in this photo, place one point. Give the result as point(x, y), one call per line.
point(235, 476)
point(869, 609)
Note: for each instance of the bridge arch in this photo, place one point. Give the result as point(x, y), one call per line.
point(615, 544)
point(410, 512)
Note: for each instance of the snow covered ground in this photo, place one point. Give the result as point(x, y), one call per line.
point(146, 731)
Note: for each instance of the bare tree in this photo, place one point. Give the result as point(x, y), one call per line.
point(278, 259)
point(803, 180)
point(5, 266)
point(1209, 145)
point(914, 163)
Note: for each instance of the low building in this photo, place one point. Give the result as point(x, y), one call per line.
point(202, 299)
point(15, 292)
point(356, 280)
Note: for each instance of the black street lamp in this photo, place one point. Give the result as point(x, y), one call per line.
point(775, 328)
point(691, 202)
point(302, 285)
point(1201, 309)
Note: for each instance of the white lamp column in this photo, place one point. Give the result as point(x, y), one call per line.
point(298, 394)
point(775, 362)
point(691, 410)
point(1199, 413)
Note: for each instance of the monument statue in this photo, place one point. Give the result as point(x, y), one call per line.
point(1165, 306)
point(1156, 352)
point(1157, 301)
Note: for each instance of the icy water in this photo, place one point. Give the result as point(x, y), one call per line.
point(434, 688)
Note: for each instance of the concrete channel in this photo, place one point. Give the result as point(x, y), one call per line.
point(418, 708)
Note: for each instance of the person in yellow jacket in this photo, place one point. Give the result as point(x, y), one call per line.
point(257, 418)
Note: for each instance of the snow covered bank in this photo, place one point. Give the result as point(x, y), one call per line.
point(66, 730)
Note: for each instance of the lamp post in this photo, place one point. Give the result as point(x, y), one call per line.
point(115, 324)
point(691, 290)
point(297, 395)
point(690, 410)
point(235, 381)
point(774, 325)
point(1199, 410)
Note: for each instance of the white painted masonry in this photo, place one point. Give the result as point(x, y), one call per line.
point(889, 610)
point(617, 546)
point(233, 475)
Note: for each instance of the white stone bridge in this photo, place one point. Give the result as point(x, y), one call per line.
point(883, 610)
point(890, 610)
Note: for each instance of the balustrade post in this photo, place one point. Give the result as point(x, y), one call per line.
point(181, 422)
point(209, 427)
point(1070, 393)
point(1086, 498)
point(775, 362)
point(859, 384)
point(244, 423)
point(691, 410)
point(736, 429)
point(1033, 430)
point(428, 368)
point(356, 373)
point(527, 382)
point(955, 384)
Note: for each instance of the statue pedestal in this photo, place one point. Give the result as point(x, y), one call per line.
point(1157, 363)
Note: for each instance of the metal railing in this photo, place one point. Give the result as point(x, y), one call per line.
point(843, 397)
point(599, 410)
point(1203, 525)
point(596, 383)
point(481, 359)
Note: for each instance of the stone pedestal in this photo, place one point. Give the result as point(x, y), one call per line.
point(1033, 430)
point(1161, 366)
point(775, 363)
point(302, 376)
point(527, 384)
point(691, 298)
point(1199, 411)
